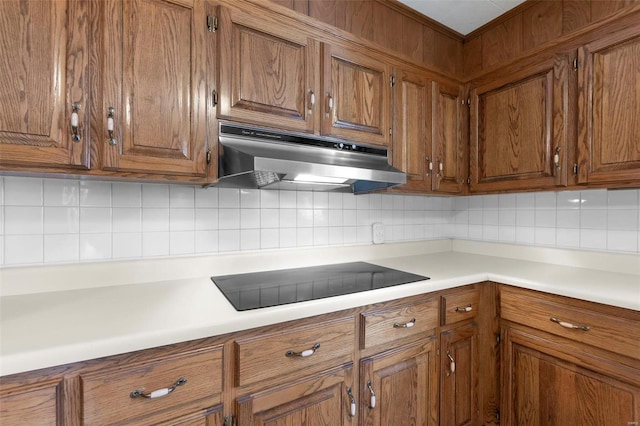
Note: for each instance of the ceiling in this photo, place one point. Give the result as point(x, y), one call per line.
point(463, 16)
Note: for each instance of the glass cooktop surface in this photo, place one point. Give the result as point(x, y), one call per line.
point(273, 288)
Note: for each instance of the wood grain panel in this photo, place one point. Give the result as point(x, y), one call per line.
point(442, 51)
point(472, 55)
point(356, 17)
point(454, 306)
point(502, 42)
point(540, 23)
point(323, 11)
point(458, 388)
point(601, 9)
point(575, 14)
point(449, 142)
point(412, 39)
point(386, 23)
point(30, 405)
point(301, 6)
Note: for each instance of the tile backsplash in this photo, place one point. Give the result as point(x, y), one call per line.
point(45, 221)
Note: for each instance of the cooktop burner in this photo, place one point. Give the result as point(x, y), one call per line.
point(273, 288)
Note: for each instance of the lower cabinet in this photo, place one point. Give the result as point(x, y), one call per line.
point(31, 404)
point(400, 386)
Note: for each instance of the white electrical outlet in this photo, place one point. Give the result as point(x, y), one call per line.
point(378, 233)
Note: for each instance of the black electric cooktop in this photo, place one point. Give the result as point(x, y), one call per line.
point(273, 288)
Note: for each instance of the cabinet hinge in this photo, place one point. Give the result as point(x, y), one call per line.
point(575, 64)
point(392, 80)
point(214, 97)
point(229, 421)
point(212, 23)
point(575, 169)
point(469, 102)
point(498, 339)
point(209, 157)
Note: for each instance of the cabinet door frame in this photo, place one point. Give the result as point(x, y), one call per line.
point(69, 81)
point(332, 125)
point(557, 121)
point(119, 93)
point(590, 167)
point(306, 116)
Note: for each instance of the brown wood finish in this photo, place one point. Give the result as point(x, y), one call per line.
point(154, 78)
point(489, 387)
point(356, 96)
point(540, 23)
point(44, 57)
point(379, 327)
point(270, 75)
point(264, 357)
point(32, 404)
point(319, 400)
point(553, 382)
point(519, 121)
point(405, 384)
point(458, 378)
point(609, 89)
point(355, 17)
point(386, 25)
point(210, 417)
point(502, 42)
point(106, 394)
point(460, 305)
point(449, 141)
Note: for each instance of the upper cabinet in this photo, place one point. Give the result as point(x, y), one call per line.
point(356, 90)
point(429, 142)
point(609, 103)
point(154, 86)
point(519, 124)
point(270, 74)
point(43, 83)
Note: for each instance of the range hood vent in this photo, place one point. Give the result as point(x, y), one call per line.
point(258, 158)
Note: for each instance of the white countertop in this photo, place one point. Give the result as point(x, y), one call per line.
point(56, 315)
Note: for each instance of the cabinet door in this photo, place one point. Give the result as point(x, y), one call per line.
point(519, 125)
point(609, 100)
point(356, 95)
point(269, 74)
point(210, 417)
point(449, 143)
point(321, 400)
point(154, 79)
point(458, 383)
point(404, 382)
point(411, 138)
point(43, 74)
point(550, 382)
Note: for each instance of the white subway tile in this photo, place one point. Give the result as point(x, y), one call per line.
point(155, 220)
point(335, 218)
point(622, 241)
point(1, 198)
point(269, 218)
point(475, 232)
point(61, 248)
point(593, 239)
point(476, 202)
point(363, 234)
point(229, 240)
point(229, 219)
point(594, 199)
point(1, 223)
point(207, 198)
point(491, 201)
point(304, 200)
point(350, 234)
point(250, 198)
point(525, 218)
point(461, 203)
point(525, 201)
point(349, 201)
point(320, 200)
point(206, 241)
point(446, 203)
point(269, 199)
point(182, 242)
point(23, 220)
point(525, 234)
point(287, 237)
point(249, 239)
point(363, 217)
point(23, 249)
point(155, 244)
point(568, 237)
point(507, 201)
point(321, 236)
point(127, 245)
point(95, 246)
point(228, 198)
point(336, 236)
point(304, 218)
point(95, 194)
point(545, 200)
point(249, 218)
point(419, 232)
point(409, 202)
point(375, 202)
point(287, 199)
point(304, 237)
point(350, 217)
point(507, 217)
point(545, 218)
point(288, 218)
point(61, 192)
point(127, 219)
point(568, 200)
point(461, 217)
point(476, 217)
point(206, 219)
point(429, 203)
point(320, 218)
point(622, 199)
point(491, 233)
point(95, 220)
point(19, 191)
point(61, 220)
point(545, 236)
point(491, 217)
point(335, 200)
point(593, 219)
point(398, 202)
point(269, 238)
point(181, 197)
point(507, 234)
point(155, 196)
point(568, 219)
point(622, 220)
point(126, 195)
point(397, 217)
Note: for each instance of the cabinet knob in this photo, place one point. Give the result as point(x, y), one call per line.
point(159, 392)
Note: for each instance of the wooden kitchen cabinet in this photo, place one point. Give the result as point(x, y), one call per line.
point(519, 124)
point(38, 403)
point(356, 95)
point(154, 86)
point(609, 93)
point(567, 361)
point(43, 77)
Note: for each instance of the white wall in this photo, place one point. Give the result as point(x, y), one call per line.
point(44, 221)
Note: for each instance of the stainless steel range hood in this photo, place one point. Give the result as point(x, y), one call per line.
point(258, 158)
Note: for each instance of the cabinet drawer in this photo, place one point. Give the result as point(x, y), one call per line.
point(108, 397)
point(558, 315)
point(387, 325)
point(290, 353)
point(459, 306)
point(30, 405)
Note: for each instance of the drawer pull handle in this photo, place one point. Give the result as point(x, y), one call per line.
point(406, 324)
point(352, 406)
point(160, 392)
point(467, 308)
point(452, 364)
point(306, 353)
point(372, 400)
point(569, 325)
